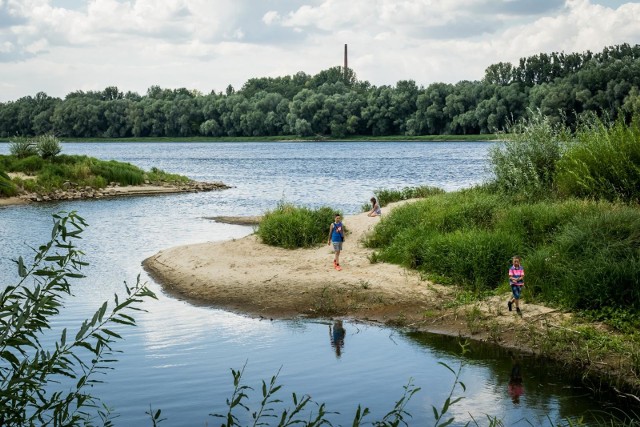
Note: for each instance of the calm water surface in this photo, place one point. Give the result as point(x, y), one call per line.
point(180, 355)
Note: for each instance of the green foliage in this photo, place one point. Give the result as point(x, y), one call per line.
point(22, 147)
point(83, 171)
point(625, 320)
point(603, 162)
point(302, 412)
point(48, 146)
point(7, 188)
point(386, 196)
point(334, 103)
point(28, 165)
point(158, 175)
point(593, 262)
point(578, 254)
point(525, 163)
point(30, 373)
point(294, 227)
point(113, 171)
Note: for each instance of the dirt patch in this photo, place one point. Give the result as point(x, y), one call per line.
point(252, 278)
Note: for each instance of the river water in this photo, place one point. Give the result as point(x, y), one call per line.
point(179, 357)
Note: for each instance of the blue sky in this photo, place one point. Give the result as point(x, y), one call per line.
point(60, 46)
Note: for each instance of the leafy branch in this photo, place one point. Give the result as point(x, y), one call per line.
point(28, 370)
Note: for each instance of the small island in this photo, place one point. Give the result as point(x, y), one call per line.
point(35, 171)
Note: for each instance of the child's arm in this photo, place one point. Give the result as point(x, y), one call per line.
point(330, 230)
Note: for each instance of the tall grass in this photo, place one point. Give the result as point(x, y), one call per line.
point(603, 162)
point(593, 262)
point(292, 227)
point(82, 171)
point(577, 253)
point(525, 163)
point(386, 196)
point(7, 188)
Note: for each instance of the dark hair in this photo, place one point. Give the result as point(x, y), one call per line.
point(373, 200)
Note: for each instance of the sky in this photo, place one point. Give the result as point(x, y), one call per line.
point(62, 46)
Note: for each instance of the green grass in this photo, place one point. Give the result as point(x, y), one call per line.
point(292, 227)
point(603, 162)
point(578, 254)
point(386, 196)
point(46, 175)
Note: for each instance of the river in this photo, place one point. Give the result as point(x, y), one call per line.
point(179, 357)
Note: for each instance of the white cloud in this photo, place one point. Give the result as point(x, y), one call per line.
point(206, 45)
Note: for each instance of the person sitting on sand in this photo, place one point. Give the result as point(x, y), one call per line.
point(375, 208)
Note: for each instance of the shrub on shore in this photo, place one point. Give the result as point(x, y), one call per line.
point(292, 227)
point(603, 162)
point(82, 171)
point(578, 254)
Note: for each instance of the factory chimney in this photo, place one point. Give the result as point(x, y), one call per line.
point(346, 65)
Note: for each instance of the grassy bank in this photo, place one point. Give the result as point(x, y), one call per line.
point(35, 174)
point(567, 203)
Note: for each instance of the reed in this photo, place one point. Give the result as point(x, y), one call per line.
point(525, 161)
point(603, 162)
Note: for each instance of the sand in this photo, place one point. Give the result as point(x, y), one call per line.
point(249, 277)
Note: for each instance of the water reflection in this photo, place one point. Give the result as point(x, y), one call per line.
point(337, 335)
point(515, 381)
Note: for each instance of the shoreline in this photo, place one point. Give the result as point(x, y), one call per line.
point(248, 277)
point(113, 191)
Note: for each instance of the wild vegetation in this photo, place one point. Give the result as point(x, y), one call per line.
point(334, 103)
point(292, 227)
point(566, 202)
point(43, 169)
point(51, 385)
point(384, 196)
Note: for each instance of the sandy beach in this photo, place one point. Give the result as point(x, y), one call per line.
point(249, 277)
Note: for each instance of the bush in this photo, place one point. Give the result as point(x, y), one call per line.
point(593, 262)
point(29, 165)
point(603, 163)
point(22, 147)
point(48, 146)
point(122, 173)
point(292, 227)
point(525, 163)
point(477, 259)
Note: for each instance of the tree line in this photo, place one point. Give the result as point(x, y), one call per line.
point(335, 103)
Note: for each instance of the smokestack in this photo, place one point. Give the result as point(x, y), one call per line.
point(346, 65)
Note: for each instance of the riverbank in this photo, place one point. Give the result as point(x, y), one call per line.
point(82, 193)
point(249, 277)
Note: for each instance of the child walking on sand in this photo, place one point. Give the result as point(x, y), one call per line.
point(516, 280)
point(336, 237)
